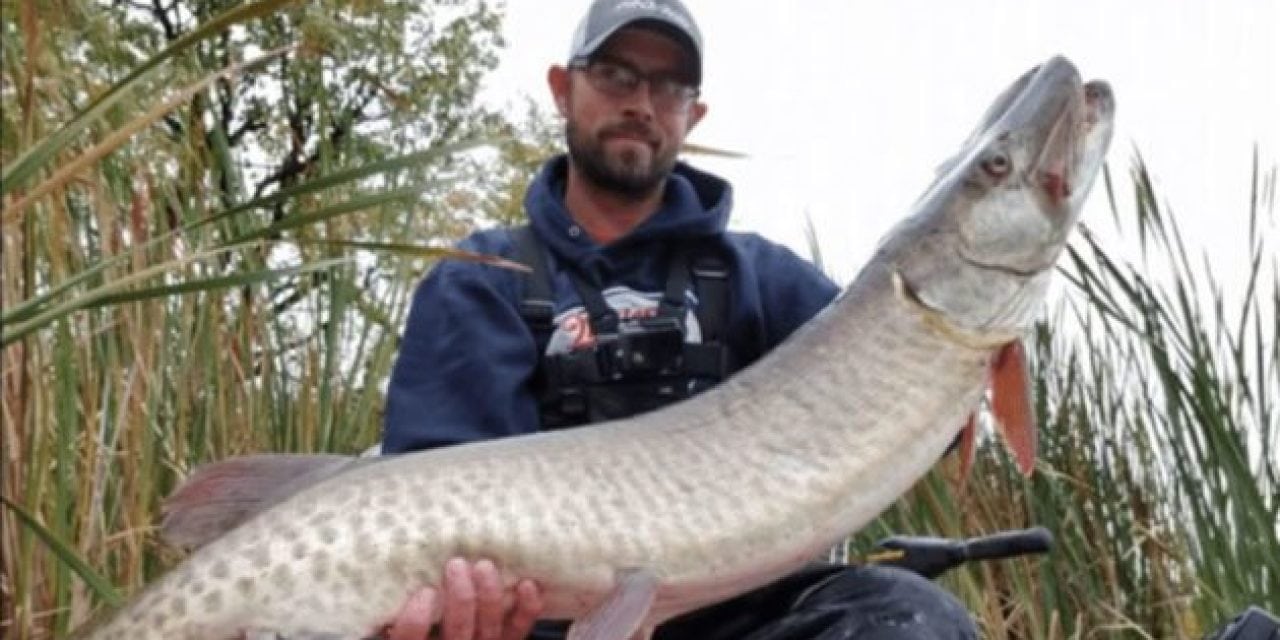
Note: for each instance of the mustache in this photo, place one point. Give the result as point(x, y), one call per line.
point(633, 129)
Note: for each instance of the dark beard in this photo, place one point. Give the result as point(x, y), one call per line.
point(626, 177)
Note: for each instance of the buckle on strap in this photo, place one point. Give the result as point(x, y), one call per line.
point(540, 311)
point(704, 267)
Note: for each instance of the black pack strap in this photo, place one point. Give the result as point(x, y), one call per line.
point(537, 304)
point(604, 320)
point(711, 285)
point(558, 404)
point(673, 303)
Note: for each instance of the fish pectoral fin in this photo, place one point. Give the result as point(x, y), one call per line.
point(1011, 404)
point(621, 615)
point(221, 495)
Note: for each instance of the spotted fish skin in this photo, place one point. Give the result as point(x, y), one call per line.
point(716, 495)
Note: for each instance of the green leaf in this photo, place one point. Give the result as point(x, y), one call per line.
point(67, 555)
point(118, 293)
point(418, 251)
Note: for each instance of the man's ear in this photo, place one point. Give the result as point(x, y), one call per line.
point(697, 111)
point(558, 82)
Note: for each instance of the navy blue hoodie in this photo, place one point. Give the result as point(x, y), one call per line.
point(467, 357)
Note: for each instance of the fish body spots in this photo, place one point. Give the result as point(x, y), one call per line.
point(314, 604)
point(449, 508)
point(399, 537)
point(357, 520)
point(353, 576)
point(299, 551)
point(385, 520)
point(499, 501)
point(212, 601)
point(246, 586)
point(328, 535)
point(320, 571)
point(259, 555)
point(282, 577)
point(366, 547)
point(178, 606)
point(320, 566)
point(220, 570)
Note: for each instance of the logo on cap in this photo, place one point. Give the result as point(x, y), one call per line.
point(669, 12)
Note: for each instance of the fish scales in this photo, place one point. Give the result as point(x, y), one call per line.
point(712, 496)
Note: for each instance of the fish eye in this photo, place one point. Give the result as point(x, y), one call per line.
point(997, 165)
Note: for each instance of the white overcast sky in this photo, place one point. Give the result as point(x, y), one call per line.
point(846, 107)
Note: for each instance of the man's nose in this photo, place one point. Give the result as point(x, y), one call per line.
point(639, 102)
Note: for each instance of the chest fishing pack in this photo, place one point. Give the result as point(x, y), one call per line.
point(634, 362)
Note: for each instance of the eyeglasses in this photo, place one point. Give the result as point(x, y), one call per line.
point(618, 79)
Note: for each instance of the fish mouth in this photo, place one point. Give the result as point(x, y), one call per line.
point(1047, 114)
point(1098, 124)
point(1073, 132)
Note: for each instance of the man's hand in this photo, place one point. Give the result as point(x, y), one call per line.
point(470, 605)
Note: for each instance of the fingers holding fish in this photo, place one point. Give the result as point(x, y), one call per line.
point(416, 616)
point(490, 612)
point(527, 609)
point(472, 604)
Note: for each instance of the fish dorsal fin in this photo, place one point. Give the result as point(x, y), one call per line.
point(1011, 404)
point(221, 495)
point(622, 612)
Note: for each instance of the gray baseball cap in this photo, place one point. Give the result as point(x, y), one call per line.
point(606, 17)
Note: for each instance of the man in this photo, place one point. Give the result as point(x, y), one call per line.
point(631, 253)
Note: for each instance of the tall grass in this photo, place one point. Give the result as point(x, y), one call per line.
point(157, 316)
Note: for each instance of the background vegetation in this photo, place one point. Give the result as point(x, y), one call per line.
point(213, 219)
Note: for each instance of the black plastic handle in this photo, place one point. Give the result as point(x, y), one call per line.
point(931, 557)
point(1009, 544)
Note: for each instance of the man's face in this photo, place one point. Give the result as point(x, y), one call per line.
point(627, 141)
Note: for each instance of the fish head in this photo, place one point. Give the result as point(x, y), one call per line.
point(981, 245)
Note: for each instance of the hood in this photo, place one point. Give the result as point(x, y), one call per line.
point(695, 204)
